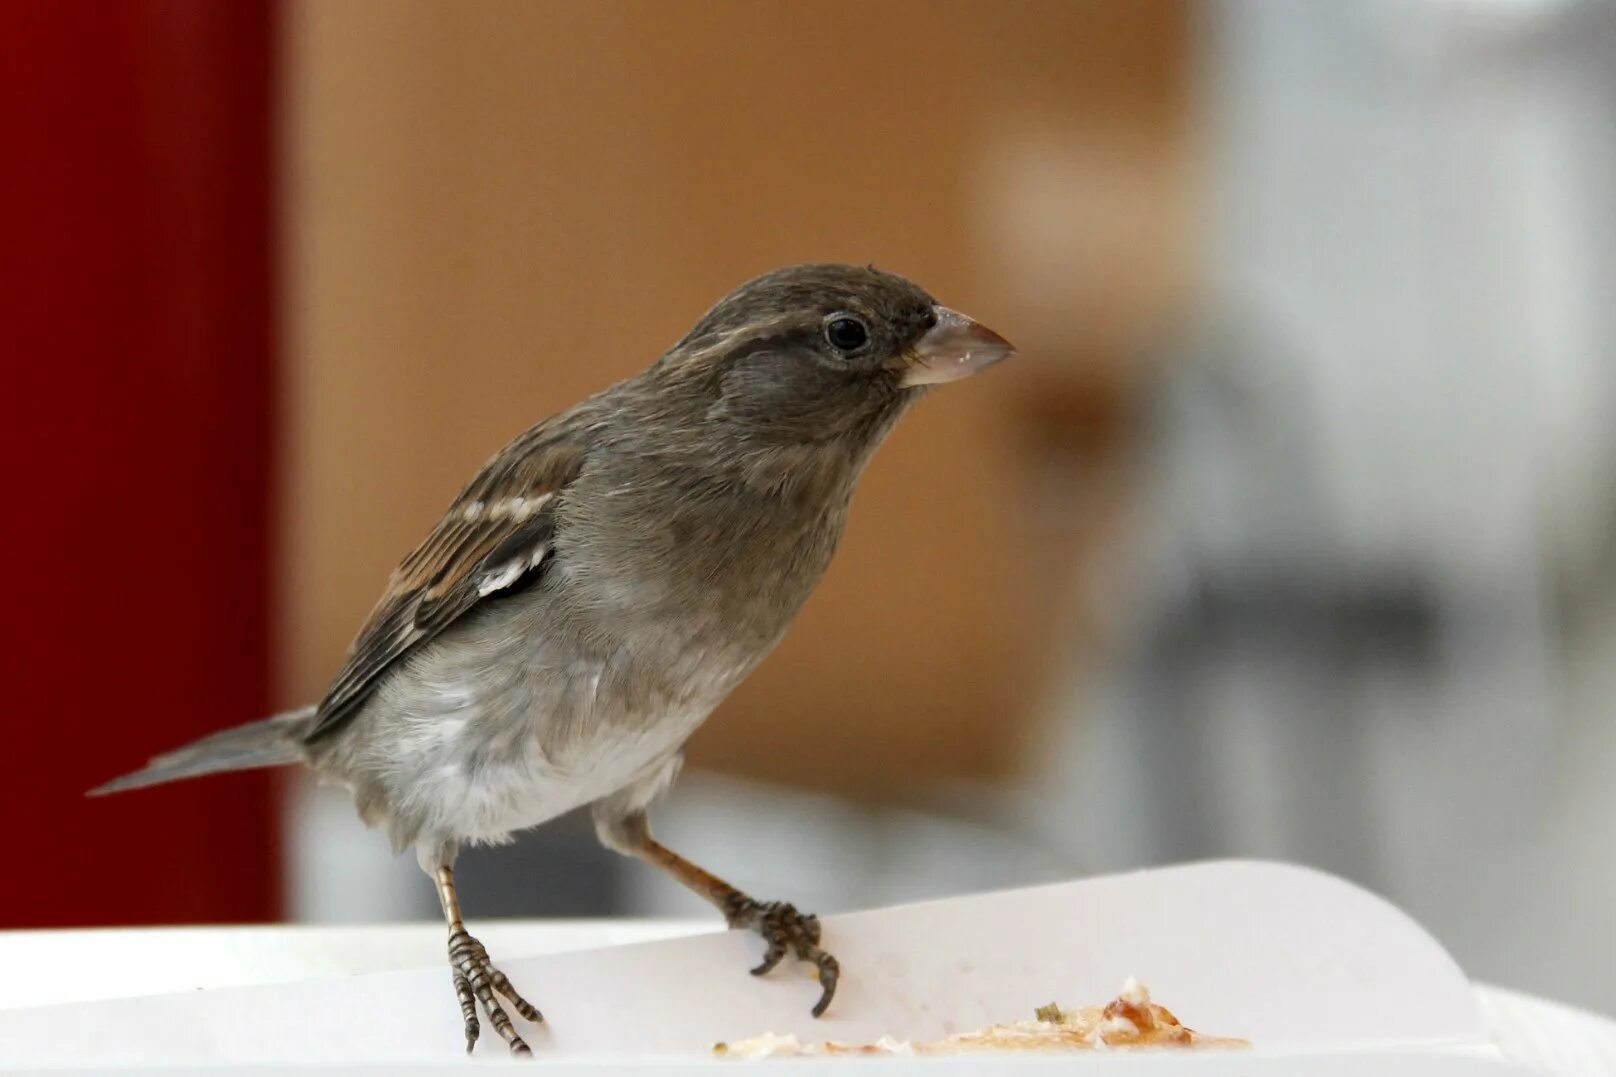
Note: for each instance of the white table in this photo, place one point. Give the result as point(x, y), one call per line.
point(42, 968)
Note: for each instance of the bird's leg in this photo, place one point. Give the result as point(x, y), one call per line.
point(475, 977)
point(783, 928)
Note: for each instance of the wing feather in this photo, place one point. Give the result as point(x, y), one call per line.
point(496, 533)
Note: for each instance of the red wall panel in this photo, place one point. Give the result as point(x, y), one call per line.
point(139, 384)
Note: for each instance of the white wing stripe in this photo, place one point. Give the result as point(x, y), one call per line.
point(502, 576)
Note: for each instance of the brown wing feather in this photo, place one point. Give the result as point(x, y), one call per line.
point(497, 531)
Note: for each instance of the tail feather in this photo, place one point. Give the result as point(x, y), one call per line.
point(269, 743)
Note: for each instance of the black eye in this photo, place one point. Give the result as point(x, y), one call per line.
point(846, 334)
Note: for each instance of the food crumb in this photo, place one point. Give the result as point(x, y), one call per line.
point(1129, 1021)
point(1051, 1013)
point(1134, 993)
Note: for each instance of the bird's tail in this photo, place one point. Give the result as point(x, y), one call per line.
point(268, 743)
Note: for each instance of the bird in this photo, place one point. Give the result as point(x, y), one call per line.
point(605, 580)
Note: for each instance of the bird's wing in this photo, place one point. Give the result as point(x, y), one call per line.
point(497, 532)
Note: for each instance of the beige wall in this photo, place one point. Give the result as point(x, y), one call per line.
point(497, 208)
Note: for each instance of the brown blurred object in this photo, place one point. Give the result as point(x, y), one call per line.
point(498, 208)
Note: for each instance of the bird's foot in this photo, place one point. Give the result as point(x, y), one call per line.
point(477, 980)
point(785, 929)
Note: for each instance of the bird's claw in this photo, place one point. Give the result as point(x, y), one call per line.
point(785, 930)
point(477, 980)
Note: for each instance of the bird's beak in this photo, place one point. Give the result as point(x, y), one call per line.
point(956, 347)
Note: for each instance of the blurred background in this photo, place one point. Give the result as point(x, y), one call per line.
point(1291, 534)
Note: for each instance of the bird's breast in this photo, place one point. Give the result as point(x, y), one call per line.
point(710, 567)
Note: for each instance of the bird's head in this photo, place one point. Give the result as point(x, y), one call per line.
point(814, 351)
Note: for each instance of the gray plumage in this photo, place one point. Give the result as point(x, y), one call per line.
point(613, 573)
point(271, 742)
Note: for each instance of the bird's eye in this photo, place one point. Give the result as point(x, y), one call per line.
point(846, 334)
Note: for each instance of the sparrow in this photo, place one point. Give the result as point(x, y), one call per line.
point(602, 584)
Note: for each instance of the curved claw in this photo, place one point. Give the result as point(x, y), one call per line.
point(476, 981)
point(776, 952)
point(830, 970)
point(785, 930)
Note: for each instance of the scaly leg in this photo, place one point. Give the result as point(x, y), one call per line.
point(475, 977)
point(783, 928)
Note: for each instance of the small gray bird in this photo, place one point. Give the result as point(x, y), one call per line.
point(603, 583)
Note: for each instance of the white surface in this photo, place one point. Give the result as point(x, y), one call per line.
point(1406, 1064)
point(48, 968)
point(1548, 1036)
point(42, 968)
point(1294, 960)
